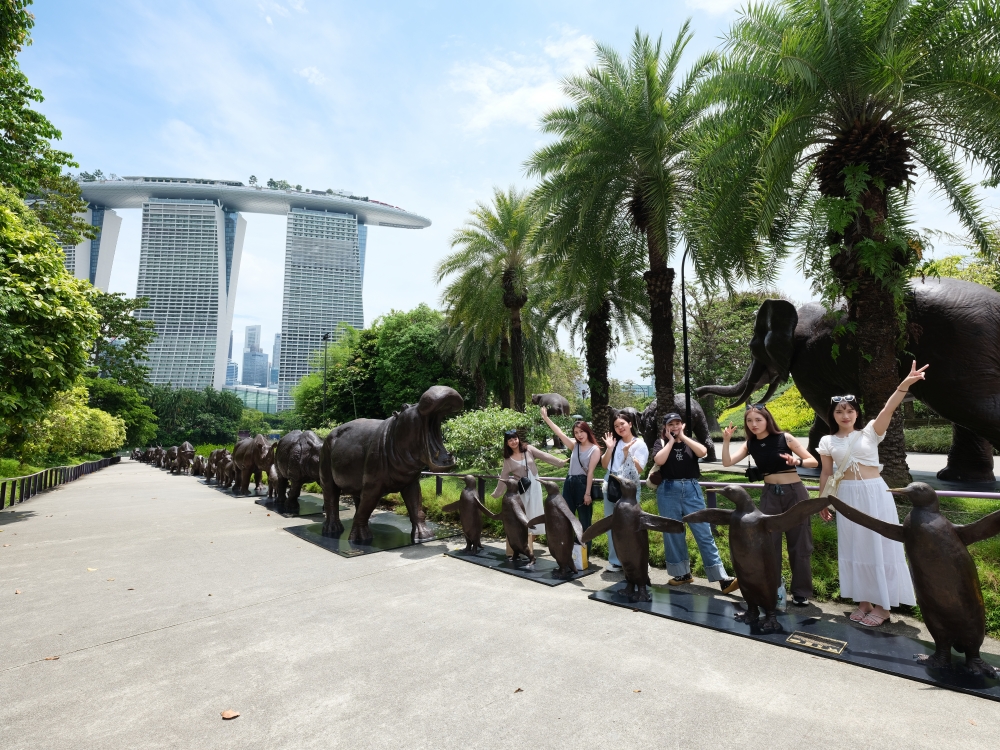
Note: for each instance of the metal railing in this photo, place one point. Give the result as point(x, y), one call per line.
point(18, 489)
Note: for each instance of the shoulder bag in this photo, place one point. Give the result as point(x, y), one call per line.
point(524, 483)
point(596, 487)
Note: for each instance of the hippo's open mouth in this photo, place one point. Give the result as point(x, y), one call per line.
point(444, 402)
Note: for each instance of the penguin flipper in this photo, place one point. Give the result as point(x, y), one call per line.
point(984, 528)
point(487, 511)
point(795, 515)
point(601, 527)
point(709, 515)
point(519, 513)
point(560, 504)
point(451, 507)
point(661, 523)
point(537, 520)
point(888, 530)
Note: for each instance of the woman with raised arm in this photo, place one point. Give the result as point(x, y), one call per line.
point(583, 459)
point(625, 454)
point(679, 494)
point(873, 569)
point(519, 463)
point(777, 455)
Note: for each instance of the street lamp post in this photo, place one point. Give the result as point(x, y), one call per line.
point(684, 328)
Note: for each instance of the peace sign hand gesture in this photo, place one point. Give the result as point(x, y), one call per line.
point(915, 376)
point(728, 431)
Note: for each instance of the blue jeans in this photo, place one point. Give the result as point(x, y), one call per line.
point(675, 498)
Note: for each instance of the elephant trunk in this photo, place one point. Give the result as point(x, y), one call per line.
point(755, 377)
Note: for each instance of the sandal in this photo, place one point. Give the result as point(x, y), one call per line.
point(873, 620)
point(858, 615)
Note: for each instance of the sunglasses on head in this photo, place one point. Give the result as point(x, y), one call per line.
point(510, 434)
point(838, 399)
point(758, 407)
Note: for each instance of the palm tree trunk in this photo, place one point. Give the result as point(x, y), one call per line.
point(872, 310)
point(659, 287)
point(480, 382)
point(597, 343)
point(517, 357)
point(504, 368)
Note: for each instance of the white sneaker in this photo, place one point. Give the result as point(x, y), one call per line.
point(614, 568)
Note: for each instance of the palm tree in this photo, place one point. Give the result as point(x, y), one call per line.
point(493, 271)
point(621, 152)
point(826, 108)
point(596, 290)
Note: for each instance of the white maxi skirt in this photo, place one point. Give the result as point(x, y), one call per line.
point(533, 507)
point(872, 568)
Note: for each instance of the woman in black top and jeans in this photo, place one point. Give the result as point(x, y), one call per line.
point(678, 493)
point(777, 454)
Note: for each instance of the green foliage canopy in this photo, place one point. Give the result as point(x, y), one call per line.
point(47, 322)
point(207, 416)
point(128, 404)
point(120, 348)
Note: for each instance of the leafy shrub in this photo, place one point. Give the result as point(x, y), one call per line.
point(790, 411)
point(929, 440)
point(71, 428)
point(475, 438)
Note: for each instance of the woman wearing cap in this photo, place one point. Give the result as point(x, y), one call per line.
point(519, 462)
point(777, 455)
point(873, 569)
point(583, 460)
point(626, 455)
point(678, 494)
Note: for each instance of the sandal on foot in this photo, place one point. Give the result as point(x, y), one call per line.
point(858, 615)
point(872, 620)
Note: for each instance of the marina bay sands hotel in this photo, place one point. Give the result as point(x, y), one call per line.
point(189, 266)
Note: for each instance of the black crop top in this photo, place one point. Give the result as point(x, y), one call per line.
point(765, 454)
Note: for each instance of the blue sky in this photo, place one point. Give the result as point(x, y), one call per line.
point(424, 105)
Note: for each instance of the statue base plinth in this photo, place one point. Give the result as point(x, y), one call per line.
point(870, 648)
point(389, 531)
point(495, 558)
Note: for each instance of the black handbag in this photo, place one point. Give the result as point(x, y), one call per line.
point(524, 483)
point(614, 489)
point(754, 473)
point(596, 487)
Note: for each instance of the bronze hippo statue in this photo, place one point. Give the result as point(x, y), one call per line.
point(198, 466)
point(251, 456)
point(185, 454)
point(369, 458)
point(296, 460)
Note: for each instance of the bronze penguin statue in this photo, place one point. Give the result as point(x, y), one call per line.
point(470, 510)
point(515, 524)
point(753, 553)
point(562, 530)
point(945, 578)
point(630, 526)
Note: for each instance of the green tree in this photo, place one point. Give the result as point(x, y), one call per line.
point(495, 255)
point(253, 422)
point(46, 320)
point(621, 153)
point(967, 268)
point(71, 429)
point(597, 292)
point(125, 402)
point(207, 416)
point(825, 109)
point(29, 165)
point(123, 340)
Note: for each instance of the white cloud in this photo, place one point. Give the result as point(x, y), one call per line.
point(312, 75)
point(713, 7)
point(518, 88)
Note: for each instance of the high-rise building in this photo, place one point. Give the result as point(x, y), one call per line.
point(252, 339)
point(188, 267)
point(275, 361)
point(322, 288)
point(232, 373)
point(255, 366)
point(92, 259)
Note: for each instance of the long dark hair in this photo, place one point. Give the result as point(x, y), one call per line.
point(586, 429)
point(831, 420)
point(772, 426)
point(630, 416)
point(521, 446)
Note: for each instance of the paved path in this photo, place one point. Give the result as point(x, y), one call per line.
point(212, 607)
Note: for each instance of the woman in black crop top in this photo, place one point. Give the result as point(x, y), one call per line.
point(777, 454)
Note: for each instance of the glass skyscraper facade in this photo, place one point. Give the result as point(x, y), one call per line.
point(92, 259)
point(188, 269)
point(322, 288)
point(275, 361)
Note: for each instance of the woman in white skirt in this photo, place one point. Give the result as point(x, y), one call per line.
point(873, 569)
point(518, 462)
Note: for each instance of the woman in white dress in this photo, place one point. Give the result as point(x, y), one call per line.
point(518, 462)
point(873, 569)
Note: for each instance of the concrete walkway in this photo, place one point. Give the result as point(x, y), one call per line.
point(168, 602)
